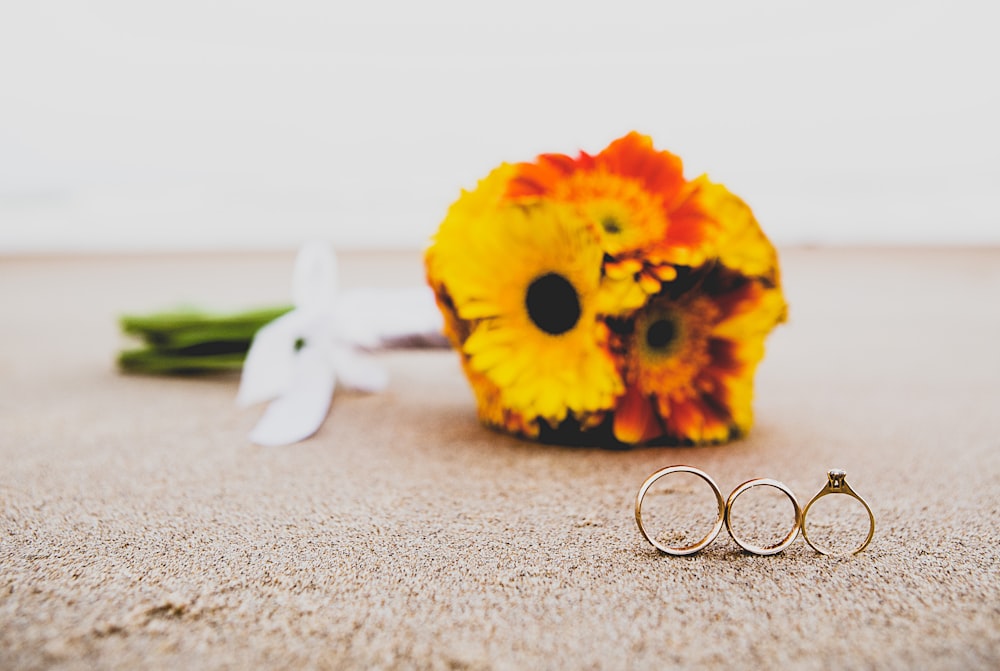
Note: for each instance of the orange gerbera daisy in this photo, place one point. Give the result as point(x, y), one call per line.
point(649, 217)
point(689, 358)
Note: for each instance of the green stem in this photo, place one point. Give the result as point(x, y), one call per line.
point(186, 342)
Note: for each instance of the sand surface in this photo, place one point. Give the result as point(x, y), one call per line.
point(140, 529)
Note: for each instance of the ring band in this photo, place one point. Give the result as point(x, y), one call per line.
point(837, 484)
point(783, 543)
point(695, 547)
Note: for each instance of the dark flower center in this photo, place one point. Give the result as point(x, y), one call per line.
point(611, 225)
point(553, 304)
point(660, 334)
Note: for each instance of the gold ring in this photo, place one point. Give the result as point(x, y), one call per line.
point(837, 484)
point(780, 545)
point(689, 549)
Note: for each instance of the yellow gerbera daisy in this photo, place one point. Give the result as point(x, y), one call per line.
point(471, 206)
point(525, 283)
point(741, 244)
point(490, 405)
point(689, 358)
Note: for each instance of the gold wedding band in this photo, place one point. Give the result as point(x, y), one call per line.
point(837, 484)
point(688, 549)
point(780, 545)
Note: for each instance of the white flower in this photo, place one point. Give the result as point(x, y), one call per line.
point(298, 358)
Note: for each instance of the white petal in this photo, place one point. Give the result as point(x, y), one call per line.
point(357, 371)
point(314, 280)
point(379, 317)
point(267, 371)
point(299, 412)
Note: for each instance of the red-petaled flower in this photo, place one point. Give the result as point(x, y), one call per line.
point(689, 359)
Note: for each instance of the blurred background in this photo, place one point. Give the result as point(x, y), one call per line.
point(258, 124)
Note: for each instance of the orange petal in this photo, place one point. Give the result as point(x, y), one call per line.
point(635, 421)
point(666, 273)
point(540, 178)
point(685, 420)
point(621, 268)
point(649, 284)
point(634, 156)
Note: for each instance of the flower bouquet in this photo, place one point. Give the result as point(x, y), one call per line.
point(598, 299)
point(606, 298)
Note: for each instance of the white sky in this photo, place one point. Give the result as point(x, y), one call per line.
point(204, 124)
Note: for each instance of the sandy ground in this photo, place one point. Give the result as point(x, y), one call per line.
point(140, 529)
